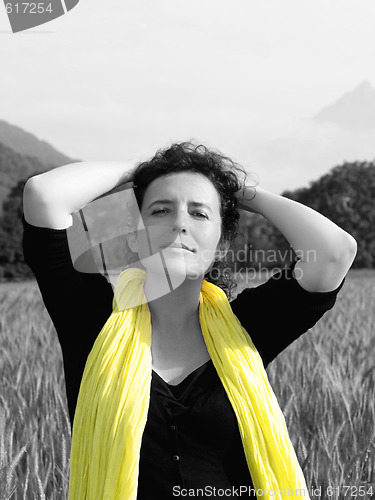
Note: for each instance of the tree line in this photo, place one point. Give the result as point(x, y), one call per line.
point(346, 195)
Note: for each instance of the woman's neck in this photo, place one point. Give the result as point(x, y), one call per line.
point(176, 310)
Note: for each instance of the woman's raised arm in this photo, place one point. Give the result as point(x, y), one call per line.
point(50, 198)
point(325, 251)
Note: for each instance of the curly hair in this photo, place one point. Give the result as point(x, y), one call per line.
point(226, 176)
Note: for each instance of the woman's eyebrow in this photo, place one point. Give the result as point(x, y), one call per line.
point(198, 204)
point(167, 201)
point(159, 201)
point(195, 204)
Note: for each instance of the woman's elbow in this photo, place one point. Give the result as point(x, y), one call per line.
point(337, 263)
point(346, 251)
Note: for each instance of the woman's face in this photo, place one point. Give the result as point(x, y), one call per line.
point(182, 225)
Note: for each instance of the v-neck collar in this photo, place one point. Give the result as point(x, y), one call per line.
point(179, 390)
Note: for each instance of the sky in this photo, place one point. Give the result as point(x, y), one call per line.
point(113, 80)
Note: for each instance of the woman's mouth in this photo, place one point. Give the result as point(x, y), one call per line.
point(180, 246)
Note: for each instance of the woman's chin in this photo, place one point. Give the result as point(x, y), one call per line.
point(163, 269)
point(172, 274)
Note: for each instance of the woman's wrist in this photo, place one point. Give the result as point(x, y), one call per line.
point(249, 198)
point(120, 186)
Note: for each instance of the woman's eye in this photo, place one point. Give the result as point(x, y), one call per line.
point(200, 215)
point(159, 211)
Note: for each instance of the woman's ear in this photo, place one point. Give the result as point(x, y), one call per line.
point(132, 219)
point(131, 239)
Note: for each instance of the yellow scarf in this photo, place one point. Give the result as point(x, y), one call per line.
point(114, 397)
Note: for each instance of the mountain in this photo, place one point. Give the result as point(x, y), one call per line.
point(14, 167)
point(343, 131)
point(26, 143)
point(23, 155)
point(354, 111)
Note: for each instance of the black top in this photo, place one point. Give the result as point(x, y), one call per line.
point(191, 439)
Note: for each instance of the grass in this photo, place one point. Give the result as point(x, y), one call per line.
point(34, 424)
point(325, 384)
point(327, 392)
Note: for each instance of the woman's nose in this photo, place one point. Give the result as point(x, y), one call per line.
point(179, 224)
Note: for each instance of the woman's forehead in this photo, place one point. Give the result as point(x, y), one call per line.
point(184, 186)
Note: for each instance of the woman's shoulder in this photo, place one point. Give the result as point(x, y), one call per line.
point(44, 247)
point(279, 310)
point(39, 242)
point(57, 265)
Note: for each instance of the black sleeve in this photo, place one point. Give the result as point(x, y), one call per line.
point(279, 311)
point(78, 303)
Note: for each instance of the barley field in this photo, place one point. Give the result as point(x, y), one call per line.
point(325, 384)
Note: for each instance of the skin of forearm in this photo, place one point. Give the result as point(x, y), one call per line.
point(325, 251)
point(73, 186)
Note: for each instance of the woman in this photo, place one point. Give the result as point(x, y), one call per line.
point(192, 413)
